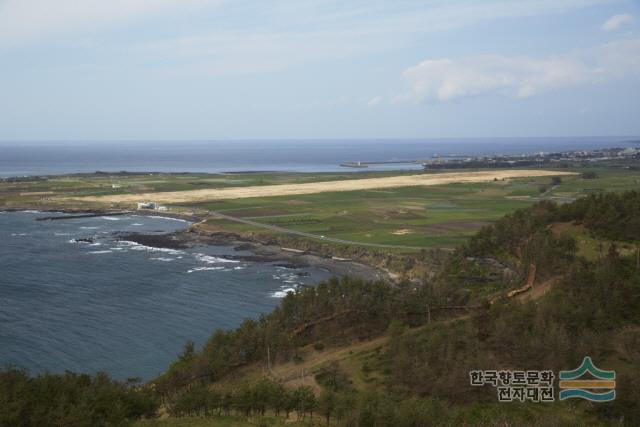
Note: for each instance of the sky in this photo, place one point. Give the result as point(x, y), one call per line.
point(279, 69)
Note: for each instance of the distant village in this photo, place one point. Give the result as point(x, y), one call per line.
point(536, 159)
point(456, 161)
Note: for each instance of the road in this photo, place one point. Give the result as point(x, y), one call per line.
point(309, 235)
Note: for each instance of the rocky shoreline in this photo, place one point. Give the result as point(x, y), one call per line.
point(260, 252)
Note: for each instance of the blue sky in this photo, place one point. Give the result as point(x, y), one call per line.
point(219, 69)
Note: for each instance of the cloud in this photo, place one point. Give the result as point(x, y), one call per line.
point(617, 21)
point(375, 101)
point(28, 20)
point(518, 76)
point(254, 51)
point(316, 31)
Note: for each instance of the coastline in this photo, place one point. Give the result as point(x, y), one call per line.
point(261, 252)
point(191, 237)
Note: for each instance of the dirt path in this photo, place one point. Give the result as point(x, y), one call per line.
point(178, 197)
point(539, 290)
point(303, 373)
point(310, 235)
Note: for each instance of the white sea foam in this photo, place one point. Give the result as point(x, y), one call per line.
point(162, 259)
point(138, 247)
point(110, 218)
point(19, 234)
point(95, 244)
point(167, 217)
point(204, 269)
point(239, 268)
point(282, 293)
point(77, 241)
point(89, 228)
point(62, 234)
point(213, 259)
point(137, 224)
point(99, 252)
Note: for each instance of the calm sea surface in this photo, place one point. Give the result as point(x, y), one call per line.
point(116, 306)
point(42, 158)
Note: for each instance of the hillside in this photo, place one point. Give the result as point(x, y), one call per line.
point(538, 290)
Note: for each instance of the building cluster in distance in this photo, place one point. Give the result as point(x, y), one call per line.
point(536, 159)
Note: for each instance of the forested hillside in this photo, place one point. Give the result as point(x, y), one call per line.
point(521, 294)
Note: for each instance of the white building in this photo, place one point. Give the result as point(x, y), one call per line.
point(147, 205)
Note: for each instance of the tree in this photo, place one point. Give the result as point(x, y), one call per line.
point(327, 404)
point(305, 400)
point(188, 351)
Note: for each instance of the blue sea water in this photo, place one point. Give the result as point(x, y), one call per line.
point(117, 306)
point(58, 157)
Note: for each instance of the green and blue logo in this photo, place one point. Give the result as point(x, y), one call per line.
point(571, 386)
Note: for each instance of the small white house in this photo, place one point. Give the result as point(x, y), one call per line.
point(147, 205)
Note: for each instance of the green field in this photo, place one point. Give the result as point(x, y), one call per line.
point(415, 217)
point(438, 216)
point(102, 183)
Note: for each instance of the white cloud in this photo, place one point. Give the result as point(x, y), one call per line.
point(617, 21)
point(247, 52)
point(519, 76)
point(320, 30)
point(28, 20)
point(375, 101)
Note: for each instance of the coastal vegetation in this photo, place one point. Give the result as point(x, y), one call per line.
point(71, 400)
point(522, 293)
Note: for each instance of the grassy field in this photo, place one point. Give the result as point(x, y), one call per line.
point(438, 216)
point(416, 217)
point(47, 189)
point(417, 179)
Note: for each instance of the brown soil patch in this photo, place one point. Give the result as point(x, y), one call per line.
point(402, 232)
point(320, 187)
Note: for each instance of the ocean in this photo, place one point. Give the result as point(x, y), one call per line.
point(59, 157)
point(116, 306)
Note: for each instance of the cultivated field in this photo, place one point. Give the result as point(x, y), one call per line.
point(181, 197)
point(400, 218)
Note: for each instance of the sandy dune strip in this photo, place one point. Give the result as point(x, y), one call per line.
point(321, 187)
